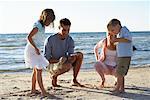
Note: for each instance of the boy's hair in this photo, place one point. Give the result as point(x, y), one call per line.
point(113, 22)
point(65, 22)
point(45, 13)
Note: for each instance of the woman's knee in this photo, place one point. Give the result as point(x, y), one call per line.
point(97, 65)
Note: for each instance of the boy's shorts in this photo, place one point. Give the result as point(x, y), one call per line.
point(123, 64)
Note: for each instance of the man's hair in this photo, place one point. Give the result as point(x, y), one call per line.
point(113, 22)
point(65, 22)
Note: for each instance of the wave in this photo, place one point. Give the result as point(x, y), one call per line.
point(142, 50)
point(138, 66)
point(16, 70)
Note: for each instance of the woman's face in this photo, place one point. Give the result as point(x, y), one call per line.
point(114, 30)
point(110, 37)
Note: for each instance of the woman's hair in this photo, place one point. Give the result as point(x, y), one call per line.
point(45, 13)
point(65, 22)
point(113, 22)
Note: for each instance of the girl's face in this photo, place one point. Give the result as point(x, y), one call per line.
point(114, 30)
point(48, 20)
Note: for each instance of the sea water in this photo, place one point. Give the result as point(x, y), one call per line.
point(12, 48)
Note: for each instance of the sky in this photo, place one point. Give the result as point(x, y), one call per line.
point(18, 16)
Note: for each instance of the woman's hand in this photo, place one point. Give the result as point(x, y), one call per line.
point(101, 58)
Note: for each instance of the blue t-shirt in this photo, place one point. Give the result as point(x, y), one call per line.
point(55, 48)
point(124, 49)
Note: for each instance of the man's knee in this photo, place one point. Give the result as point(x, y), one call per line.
point(67, 67)
point(80, 55)
point(97, 66)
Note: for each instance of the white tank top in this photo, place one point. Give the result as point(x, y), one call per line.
point(111, 56)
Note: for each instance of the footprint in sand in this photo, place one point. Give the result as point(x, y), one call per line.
point(64, 81)
point(16, 88)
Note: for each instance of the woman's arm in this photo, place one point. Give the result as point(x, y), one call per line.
point(96, 48)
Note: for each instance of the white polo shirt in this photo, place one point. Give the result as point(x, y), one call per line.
point(124, 49)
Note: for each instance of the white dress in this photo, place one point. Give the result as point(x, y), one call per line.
point(31, 58)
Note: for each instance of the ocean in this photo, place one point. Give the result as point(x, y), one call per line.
point(12, 49)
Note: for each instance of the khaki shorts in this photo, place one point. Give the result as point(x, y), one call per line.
point(56, 68)
point(123, 64)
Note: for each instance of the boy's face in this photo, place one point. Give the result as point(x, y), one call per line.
point(64, 30)
point(114, 30)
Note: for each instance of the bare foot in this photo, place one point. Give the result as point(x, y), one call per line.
point(121, 91)
point(102, 85)
point(115, 91)
point(35, 92)
point(76, 83)
point(54, 82)
point(45, 94)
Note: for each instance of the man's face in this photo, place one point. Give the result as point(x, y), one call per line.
point(114, 30)
point(64, 30)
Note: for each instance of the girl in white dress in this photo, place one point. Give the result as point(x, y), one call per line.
point(32, 54)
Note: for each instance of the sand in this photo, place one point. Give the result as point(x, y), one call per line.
point(17, 85)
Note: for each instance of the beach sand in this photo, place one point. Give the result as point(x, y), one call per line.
point(17, 85)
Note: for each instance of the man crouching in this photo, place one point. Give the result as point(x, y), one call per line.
point(59, 51)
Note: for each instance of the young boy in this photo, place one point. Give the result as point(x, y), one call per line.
point(124, 51)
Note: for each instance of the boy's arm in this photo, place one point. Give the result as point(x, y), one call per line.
point(121, 40)
point(124, 37)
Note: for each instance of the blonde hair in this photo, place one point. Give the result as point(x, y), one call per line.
point(45, 13)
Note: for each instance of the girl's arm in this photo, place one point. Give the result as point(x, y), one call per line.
point(29, 37)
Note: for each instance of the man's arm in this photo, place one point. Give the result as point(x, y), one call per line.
point(71, 46)
point(52, 60)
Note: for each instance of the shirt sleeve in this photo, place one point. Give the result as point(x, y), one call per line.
point(126, 34)
point(47, 49)
point(38, 25)
point(71, 46)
